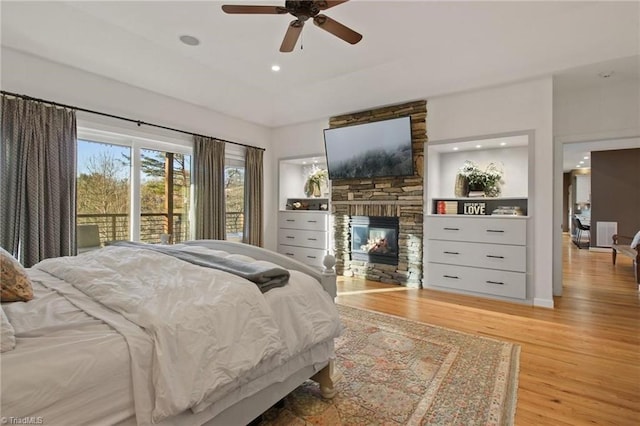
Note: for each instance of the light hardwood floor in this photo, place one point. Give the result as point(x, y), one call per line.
point(579, 362)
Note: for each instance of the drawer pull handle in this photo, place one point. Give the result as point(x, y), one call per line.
point(495, 230)
point(290, 220)
point(311, 257)
point(451, 276)
point(312, 221)
point(451, 252)
point(495, 282)
point(312, 239)
point(290, 237)
point(495, 257)
point(451, 229)
point(289, 254)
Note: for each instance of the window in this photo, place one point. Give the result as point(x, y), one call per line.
point(133, 188)
point(234, 199)
point(165, 182)
point(103, 188)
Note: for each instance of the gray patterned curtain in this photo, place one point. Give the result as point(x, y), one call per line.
point(253, 177)
point(208, 180)
point(38, 180)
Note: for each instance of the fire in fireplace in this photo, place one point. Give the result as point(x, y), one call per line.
point(374, 239)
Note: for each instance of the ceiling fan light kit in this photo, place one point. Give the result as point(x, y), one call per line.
point(302, 11)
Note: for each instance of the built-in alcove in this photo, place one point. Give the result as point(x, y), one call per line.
point(476, 242)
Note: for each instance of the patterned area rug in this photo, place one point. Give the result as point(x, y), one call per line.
point(397, 372)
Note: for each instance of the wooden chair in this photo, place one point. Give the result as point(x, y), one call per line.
point(626, 250)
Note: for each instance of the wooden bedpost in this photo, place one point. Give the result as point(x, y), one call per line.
point(614, 252)
point(329, 275)
point(328, 376)
point(327, 379)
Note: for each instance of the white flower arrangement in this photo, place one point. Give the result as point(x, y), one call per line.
point(487, 180)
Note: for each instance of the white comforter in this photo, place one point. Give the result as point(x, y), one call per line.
point(206, 329)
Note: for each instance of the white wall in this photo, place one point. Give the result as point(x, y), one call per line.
point(597, 112)
point(40, 78)
point(511, 108)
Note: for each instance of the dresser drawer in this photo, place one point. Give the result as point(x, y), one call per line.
point(478, 229)
point(487, 281)
point(301, 238)
point(492, 256)
point(314, 221)
point(310, 256)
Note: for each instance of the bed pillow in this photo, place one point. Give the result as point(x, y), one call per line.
point(636, 240)
point(16, 285)
point(7, 338)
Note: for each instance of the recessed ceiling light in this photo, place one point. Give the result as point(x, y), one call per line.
point(503, 143)
point(578, 166)
point(586, 157)
point(581, 162)
point(275, 68)
point(455, 148)
point(189, 40)
point(478, 146)
point(304, 162)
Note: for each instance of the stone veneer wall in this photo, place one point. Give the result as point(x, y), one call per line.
point(393, 196)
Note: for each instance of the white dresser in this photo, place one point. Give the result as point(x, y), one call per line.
point(304, 235)
point(479, 254)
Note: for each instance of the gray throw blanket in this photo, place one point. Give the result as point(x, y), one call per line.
point(265, 277)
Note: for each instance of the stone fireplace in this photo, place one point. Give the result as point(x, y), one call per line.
point(389, 199)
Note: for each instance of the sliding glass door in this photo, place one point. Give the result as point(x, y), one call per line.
point(133, 192)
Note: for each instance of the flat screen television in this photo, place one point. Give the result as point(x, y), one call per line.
point(376, 149)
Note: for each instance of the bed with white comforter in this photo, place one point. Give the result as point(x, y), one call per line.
point(127, 334)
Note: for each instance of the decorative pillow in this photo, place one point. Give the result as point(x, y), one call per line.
point(16, 285)
point(636, 240)
point(7, 338)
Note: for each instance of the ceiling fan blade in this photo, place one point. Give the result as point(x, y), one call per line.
point(291, 36)
point(337, 29)
point(265, 10)
point(324, 5)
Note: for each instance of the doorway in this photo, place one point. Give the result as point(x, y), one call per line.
point(576, 201)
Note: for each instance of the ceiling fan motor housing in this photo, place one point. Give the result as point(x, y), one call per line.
point(304, 9)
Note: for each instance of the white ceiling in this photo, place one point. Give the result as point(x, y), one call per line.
point(410, 50)
point(578, 155)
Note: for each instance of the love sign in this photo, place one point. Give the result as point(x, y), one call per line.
point(475, 208)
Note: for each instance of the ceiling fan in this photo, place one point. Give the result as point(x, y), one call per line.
point(302, 10)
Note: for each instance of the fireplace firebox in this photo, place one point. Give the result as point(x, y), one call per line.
point(374, 239)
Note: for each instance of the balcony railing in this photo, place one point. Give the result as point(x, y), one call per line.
point(115, 226)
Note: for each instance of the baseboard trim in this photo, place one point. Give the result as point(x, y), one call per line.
point(543, 303)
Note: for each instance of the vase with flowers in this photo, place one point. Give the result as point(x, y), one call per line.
point(487, 180)
point(316, 180)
